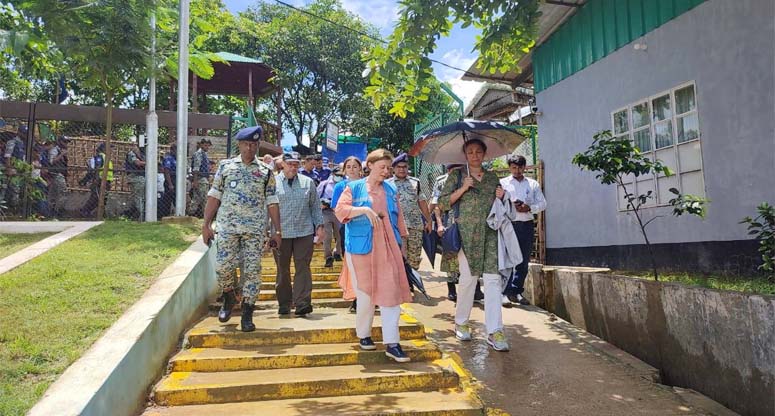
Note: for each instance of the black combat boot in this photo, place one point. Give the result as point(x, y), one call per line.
point(229, 300)
point(247, 318)
point(329, 262)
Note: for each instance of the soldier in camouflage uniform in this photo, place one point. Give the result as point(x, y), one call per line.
point(200, 183)
point(414, 206)
point(15, 152)
point(242, 195)
point(135, 173)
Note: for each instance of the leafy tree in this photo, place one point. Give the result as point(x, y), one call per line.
point(105, 42)
point(27, 56)
point(613, 159)
point(318, 63)
point(763, 227)
point(400, 71)
point(397, 133)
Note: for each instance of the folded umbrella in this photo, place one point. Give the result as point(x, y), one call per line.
point(414, 279)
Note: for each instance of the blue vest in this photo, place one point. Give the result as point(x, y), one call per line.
point(358, 233)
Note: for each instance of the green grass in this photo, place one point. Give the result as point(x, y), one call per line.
point(751, 284)
point(55, 306)
point(11, 243)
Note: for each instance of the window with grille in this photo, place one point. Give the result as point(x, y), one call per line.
point(664, 126)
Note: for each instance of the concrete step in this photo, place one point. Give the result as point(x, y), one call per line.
point(424, 403)
point(184, 388)
point(270, 286)
point(316, 294)
point(329, 276)
point(271, 270)
point(264, 305)
point(322, 326)
point(293, 356)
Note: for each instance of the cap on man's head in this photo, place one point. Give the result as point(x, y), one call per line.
point(64, 139)
point(252, 134)
point(325, 159)
point(101, 147)
point(23, 129)
point(517, 160)
point(402, 158)
point(291, 157)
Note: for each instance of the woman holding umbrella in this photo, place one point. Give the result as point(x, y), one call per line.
point(374, 228)
point(475, 190)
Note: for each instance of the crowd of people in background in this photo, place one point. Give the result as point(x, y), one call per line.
point(372, 216)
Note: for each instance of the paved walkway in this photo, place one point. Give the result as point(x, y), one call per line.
point(553, 368)
point(65, 230)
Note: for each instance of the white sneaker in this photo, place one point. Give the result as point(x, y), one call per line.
point(463, 332)
point(505, 301)
point(497, 341)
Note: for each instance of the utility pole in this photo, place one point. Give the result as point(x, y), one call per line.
point(151, 136)
point(182, 127)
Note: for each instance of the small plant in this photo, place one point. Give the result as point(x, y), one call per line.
point(763, 227)
point(613, 158)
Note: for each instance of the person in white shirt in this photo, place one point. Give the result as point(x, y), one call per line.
point(525, 193)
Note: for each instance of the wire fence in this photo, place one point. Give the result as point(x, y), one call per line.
point(53, 166)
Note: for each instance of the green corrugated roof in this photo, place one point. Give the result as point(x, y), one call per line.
point(232, 57)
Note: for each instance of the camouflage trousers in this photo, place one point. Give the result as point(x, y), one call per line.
point(414, 247)
point(450, 265)
point(137, 194)
point(233, 250)
point(199, 197)
point(56, 194)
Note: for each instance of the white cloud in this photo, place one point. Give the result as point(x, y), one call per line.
point(380, 13)
point(466, 90)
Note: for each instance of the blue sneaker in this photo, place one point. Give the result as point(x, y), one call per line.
point(395, 352)
point(367, 344)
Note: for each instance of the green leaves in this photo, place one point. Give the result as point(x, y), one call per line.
point(763, 227)
point(400, 69)
point(688, 204)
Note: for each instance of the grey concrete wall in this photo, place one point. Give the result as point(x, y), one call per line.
point(719, 343)
point(115, 375)
point(727, 48)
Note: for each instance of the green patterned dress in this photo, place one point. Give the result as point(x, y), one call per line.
point(480, 242)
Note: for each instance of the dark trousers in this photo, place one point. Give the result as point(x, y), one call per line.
point(165, 203)
point(300, 293)
point(525, 234)
point(94, 198)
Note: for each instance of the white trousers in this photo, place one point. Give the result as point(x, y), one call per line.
point(364, 312)
point(493, 318)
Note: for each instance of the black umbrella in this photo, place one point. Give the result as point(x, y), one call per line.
point(414, 279)
point(445, 144)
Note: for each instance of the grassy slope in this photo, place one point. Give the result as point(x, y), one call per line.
point(54, 307)
point(11, 243)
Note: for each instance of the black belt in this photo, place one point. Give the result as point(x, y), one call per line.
point(531, 221)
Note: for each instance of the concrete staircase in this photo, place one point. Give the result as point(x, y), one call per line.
point(308, 365)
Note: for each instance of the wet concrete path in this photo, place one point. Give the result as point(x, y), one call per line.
point(553, 368)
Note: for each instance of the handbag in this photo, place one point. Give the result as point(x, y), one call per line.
point(451, 242)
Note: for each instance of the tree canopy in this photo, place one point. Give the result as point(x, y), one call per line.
point(318, 63)
point(400, 71)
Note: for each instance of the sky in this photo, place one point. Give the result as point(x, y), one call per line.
point(455, 50)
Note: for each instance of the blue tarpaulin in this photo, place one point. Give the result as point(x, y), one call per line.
point(345, 150)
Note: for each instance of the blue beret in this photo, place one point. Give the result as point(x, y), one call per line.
point(400, 158)
point(252, 134)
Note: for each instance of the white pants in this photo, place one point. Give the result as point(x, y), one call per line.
point(364, 312)
point(465, 296)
